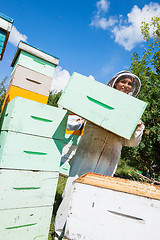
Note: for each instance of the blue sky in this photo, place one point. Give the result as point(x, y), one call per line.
point(94, 38)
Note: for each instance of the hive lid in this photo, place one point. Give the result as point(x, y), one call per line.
point(34, 51)
point(6, 18)
point(121, 185)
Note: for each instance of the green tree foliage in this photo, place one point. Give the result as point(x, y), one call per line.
point(53, 98)
point(2, 92)
point(146, 157)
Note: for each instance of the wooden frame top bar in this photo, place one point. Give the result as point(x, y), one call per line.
point(34, 51)
point(121, 185)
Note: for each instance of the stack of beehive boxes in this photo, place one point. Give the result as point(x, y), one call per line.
point(5, 28)
point(31, 139)
point(32, 74)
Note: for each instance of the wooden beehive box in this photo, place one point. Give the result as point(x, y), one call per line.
point(34, 59)
point(30, 80)
point(25, 223)
point(102, 105)
point(30, 117)
point(24, 151)
point(20, 92)
point(5, 28)
point(103, 207)
point(26, 189)
point(32, 135)
point(31, 142)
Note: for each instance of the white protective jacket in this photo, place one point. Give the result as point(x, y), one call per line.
point(98, 151)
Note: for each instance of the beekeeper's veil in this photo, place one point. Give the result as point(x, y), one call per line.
point(136, 82)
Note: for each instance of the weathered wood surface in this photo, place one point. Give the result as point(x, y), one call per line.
point(123, 185)
point(25, 223)
point(102, 213)
point(21, 189)
point(102, 105)
point(26, 116)
point(34, 63)
point(30, 80)
point(22, 151)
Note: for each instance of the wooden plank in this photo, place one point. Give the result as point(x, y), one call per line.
point(22, 151)
point(16, 91)
point(30, 80)
point(30, 117)
point(25, 223)
point(102, 105)
point(23, 46)
point(105, 212)
point(21, 189)
point(119, 184)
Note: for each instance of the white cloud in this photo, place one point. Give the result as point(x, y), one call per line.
point(127, 31)
point(60, 79)
point(102, 5)
point(103, 22)
point(16, 36)
point(98, 20)
point(129, 35)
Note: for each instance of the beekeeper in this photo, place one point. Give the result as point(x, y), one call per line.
point(99, 150)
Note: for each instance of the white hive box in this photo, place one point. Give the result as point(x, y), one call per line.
point(30, 80)
point(103, 207)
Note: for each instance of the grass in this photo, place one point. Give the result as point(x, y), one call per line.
point(58, 198)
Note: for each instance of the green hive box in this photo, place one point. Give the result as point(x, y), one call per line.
point(29, 152)
point(30, 117)
point(24, 189)
point(25, 223)
point(102, 105)
point(34, 59)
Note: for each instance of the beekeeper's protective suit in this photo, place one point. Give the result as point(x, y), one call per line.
point(98, 151)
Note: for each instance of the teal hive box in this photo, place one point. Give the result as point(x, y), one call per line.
point(25, 223)
point(5, 28)
point(107, 107)
point(24, 189)
point(30, 80)
point(30, 117)
point(34, 59)
point(24, 151)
